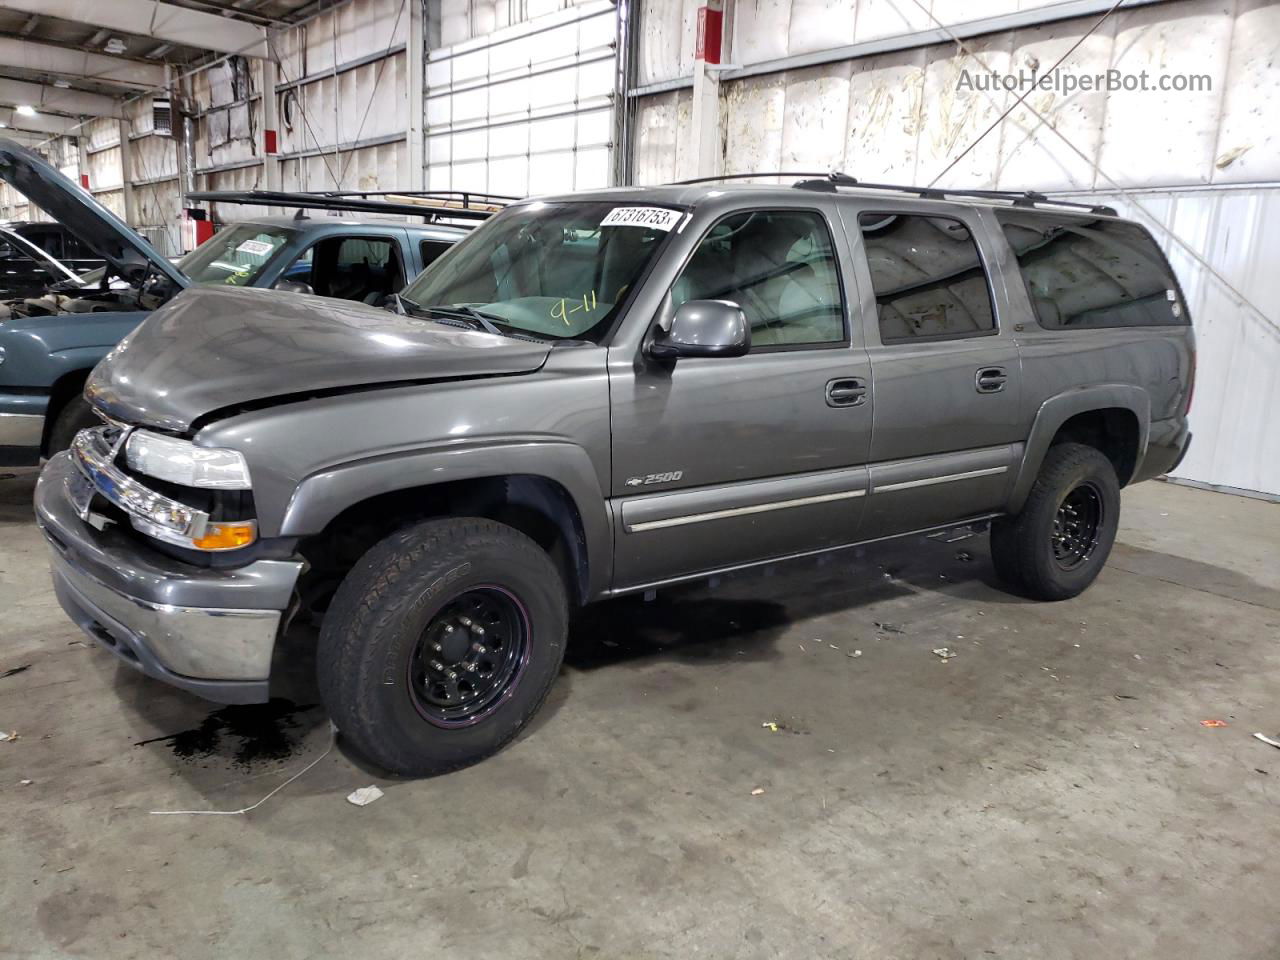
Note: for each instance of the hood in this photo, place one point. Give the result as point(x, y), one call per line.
point(127, 253)
point(216, 347)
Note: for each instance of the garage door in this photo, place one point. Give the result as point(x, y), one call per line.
point(527, 109)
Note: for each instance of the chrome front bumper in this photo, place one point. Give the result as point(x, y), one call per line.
point(209, 631)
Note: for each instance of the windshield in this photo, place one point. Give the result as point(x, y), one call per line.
point(235, 255)
point(552, 270)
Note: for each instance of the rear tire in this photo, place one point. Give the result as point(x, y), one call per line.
point(441, 644)
point(75, 415)
point(1058, 543)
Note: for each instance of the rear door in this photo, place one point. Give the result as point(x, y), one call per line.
point(723, 461)
point(945, 372)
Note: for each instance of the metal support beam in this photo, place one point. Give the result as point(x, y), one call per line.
point(702, 152)
point(160, 21)
point(49, 126)
point(82, 163)
point(270, 102)
point(47, 99)
point(126, 173)
point(1019, 20)
point(416, 57)
point(24, 137)
point(64, 61)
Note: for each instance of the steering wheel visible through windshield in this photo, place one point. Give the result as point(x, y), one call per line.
point(549, 270)
point(235, 255)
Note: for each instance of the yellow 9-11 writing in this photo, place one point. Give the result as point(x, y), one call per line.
point(561, 310)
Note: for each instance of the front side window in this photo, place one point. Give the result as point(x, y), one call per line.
point(235, 255)
point(928, 278)
point(1082, 274)
point(357, 268)
point(779, 267)
point(549, 270)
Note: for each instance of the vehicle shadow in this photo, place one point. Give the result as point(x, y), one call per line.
point(731, 618)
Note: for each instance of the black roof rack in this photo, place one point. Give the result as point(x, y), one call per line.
point(432, 207)
point(831, 181)
point(746, 176)
point(1024, 198)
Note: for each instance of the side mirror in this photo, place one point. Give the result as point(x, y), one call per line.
point(704, 328)
point(6, 251)
point(292, 286)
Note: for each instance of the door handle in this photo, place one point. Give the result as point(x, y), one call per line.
point(990, 379)
point(846, 392)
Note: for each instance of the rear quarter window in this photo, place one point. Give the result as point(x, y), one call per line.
point(1083, 274)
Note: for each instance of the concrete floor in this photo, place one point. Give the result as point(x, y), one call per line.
point(1050, 792)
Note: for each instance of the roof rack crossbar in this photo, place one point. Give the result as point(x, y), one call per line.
point(443, 209)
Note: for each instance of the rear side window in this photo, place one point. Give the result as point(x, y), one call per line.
point(432, 249)
point(929, 281)
point(1083, 274)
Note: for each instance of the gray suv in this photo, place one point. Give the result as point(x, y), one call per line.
point(599, 394)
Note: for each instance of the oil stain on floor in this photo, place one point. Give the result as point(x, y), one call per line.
point(246, 736)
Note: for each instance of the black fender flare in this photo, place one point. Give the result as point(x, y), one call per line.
point(320, 497)
point(1060, 408)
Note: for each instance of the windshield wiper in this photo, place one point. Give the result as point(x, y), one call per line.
point(467, 314)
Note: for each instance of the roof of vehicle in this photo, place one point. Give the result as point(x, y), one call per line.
point(323, 222)
point(19, 224)
point(692, 194)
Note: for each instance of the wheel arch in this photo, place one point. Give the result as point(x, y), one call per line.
point(544, 490)
point(1114, 418)
point(63, 390)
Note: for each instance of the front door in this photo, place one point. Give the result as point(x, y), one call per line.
point(945, 376)
point(720, 462)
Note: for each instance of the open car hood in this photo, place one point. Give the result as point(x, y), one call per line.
point(217, 348)
point(126, 252)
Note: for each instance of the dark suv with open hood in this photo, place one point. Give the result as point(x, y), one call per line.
point(599, 394)
point(51, 339)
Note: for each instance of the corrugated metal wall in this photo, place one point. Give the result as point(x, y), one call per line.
point(1236, 411)
point(900, 116)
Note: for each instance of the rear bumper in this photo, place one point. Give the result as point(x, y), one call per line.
point(209, 631)
point(1167, 443)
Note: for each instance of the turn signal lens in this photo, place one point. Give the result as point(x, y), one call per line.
point(226, 536)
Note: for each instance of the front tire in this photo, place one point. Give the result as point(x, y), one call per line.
point(1058, 543)
point(75, 415)
point(441, 644)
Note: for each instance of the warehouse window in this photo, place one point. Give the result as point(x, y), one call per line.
point(779, 267)
point(1101, 273)
point(928, 278)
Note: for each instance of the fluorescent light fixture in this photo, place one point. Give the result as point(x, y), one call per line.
point(26, 110)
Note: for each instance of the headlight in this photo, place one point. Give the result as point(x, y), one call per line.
point(182, 462)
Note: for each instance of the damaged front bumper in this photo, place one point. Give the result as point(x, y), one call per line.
point(209, 631)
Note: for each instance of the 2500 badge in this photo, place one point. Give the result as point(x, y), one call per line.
point(670, 476)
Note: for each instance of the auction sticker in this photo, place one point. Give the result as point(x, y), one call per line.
point(255, 248)
point(656, 218)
